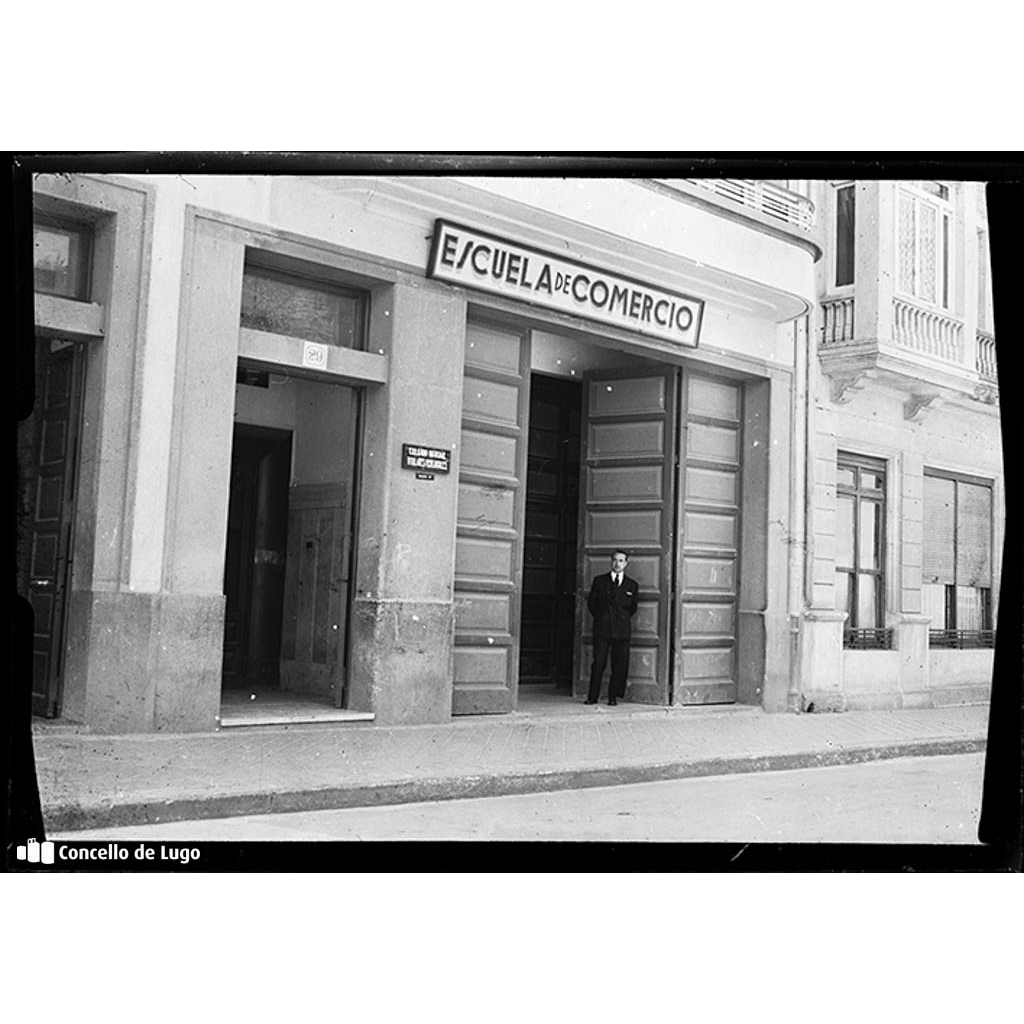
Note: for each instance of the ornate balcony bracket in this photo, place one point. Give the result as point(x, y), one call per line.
point(846, 385)
point(987, 393)
point(916, 406)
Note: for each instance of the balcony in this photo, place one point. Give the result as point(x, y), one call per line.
point(921, 351)
point(755, 200)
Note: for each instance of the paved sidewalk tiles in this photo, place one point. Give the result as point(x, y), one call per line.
point(89, 781)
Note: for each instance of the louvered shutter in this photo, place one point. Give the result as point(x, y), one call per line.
point(974, 535)
point(939, 530)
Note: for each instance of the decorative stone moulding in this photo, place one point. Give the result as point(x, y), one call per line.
point(915, 407)
point(987, 394)
point(846, 385)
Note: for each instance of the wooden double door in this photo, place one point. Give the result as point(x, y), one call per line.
point(48, 446)
point(660, 454)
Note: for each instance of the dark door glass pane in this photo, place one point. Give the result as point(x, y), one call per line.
point(845, 229)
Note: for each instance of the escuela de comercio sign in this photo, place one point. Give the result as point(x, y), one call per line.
point(464, 256)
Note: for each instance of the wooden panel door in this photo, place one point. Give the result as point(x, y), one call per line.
point(49, 440)
point(628, 484)
point(709, 531)
point(489, 531)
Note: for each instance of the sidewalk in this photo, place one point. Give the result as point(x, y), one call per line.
point(89, 781)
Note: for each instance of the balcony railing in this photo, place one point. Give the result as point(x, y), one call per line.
point(928, 332)
point(986, 356)
point(837, 321)
point(762, 196)
point(868, 639)
point(961, 639)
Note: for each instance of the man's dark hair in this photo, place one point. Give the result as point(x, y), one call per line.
point(621, 551)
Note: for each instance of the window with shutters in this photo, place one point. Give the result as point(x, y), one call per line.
point(860, 550)
point(923, 222)
point(957, 570)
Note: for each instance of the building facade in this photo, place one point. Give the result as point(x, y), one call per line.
point(366, 440)
point(904, 456)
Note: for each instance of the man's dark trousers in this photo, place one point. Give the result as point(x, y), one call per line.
point(613, 608)
point(620, 667)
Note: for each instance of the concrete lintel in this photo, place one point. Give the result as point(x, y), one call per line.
point(344, 365)
point(64, 317)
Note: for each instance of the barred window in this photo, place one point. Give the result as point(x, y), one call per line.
point(957, 569)
point(860, 550)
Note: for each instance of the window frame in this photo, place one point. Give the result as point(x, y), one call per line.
point(85, 233)
point(950, 634)
point(944, 248)
point(834, 285)
point(854, 631)
point(313, 281)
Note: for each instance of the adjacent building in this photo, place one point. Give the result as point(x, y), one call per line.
point(364, 440)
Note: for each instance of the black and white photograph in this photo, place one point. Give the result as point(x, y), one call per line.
point(491, 499)
point(502, 487)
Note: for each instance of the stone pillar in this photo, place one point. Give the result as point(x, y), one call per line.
point(964, 262)
point(821, 662)
point(402, 626)
point(188, 627)
point(910, 558)
point(911, 637)
point(875, 256)
point(819, 682)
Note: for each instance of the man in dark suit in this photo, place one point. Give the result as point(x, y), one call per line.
point(612, 602)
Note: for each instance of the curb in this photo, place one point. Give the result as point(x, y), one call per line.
point(74, 817)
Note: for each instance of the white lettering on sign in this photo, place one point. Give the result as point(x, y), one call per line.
point(416, 456)
point(463, 256)
point(314, 355)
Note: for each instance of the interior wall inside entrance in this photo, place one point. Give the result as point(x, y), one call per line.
point(551, 583)
point(316, 559)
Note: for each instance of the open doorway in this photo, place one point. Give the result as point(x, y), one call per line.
point(549, 543)
point(255, 557)
point(288, 556)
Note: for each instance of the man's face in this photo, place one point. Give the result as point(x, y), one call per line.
point(619, 561)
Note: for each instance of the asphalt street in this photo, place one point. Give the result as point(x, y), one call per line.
point(905, 800)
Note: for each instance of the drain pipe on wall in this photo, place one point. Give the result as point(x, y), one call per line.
point(799, 469)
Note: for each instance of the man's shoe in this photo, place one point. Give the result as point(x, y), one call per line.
point(612, 702)
point(589, 701)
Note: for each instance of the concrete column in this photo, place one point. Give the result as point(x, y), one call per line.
point(875, 267)
point(911, 637)
point(188, 623)
point(910, 550)
point(965, 258)
point(402, 626)
point(821, 662)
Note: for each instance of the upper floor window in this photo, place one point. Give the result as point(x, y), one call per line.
point(860, 550)
point(984, 283)
point(312, 310)
point(61, 258)
point(845, 228)
point(923, 222)
point(957, 570)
